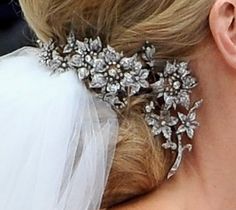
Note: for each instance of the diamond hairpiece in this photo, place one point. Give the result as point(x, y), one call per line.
point(115, 78)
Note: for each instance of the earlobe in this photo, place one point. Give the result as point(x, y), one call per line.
point(222, 22)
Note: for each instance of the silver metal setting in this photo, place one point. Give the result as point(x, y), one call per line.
point(115, 78)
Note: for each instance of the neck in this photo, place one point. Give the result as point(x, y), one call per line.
point(209, 170)
point(206, 178)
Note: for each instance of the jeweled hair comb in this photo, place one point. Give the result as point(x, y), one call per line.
point(115, 78)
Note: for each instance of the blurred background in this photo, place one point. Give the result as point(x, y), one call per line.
point(14, 32)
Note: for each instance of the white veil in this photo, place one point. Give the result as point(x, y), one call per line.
point(57, 141)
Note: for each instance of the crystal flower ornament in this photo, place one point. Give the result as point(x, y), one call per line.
point(114, 78)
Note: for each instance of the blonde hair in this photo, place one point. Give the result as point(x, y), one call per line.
point(175, 27)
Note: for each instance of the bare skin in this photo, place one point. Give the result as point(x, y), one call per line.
point(206, 179)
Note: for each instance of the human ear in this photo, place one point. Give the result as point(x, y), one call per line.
point(222, 22)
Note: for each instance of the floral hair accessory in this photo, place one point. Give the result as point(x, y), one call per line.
point(115, 78)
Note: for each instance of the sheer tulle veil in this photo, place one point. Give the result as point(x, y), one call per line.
point(57, 139)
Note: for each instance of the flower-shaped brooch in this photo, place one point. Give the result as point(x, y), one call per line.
point(115, 78)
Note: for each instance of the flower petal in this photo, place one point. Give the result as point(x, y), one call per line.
point(170, 68)
point(195, 124)
point(127, 81)
point(169, 100)
point(149, 53)
point(81, 47)
point(95, 45)
point(159, 86)
point(144, 83)
point(156, 131)
point(184, 99)
point(113, 88)
point(173, 121)
point(190, 133)
point(166, 130)
point(82, 73)
point(181, 129)
point(183, 68)
point(189, 82)
point(143, 74)
point(98, 81)
point(182, 117)
point(134, 89)
point(137, 66)
point(127, 63)
point(76, 61)
point(192, 116)
point(111, 55)
point(99, 65)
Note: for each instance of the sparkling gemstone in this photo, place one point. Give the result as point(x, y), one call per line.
point(112, 72)
point(88, 58)
point(148, 109)
point(188, 124)
point(64, 65)
point(163, 123)
point(177, 85)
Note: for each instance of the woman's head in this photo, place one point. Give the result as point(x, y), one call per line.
point(175, 27)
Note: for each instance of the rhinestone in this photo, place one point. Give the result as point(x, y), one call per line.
point(148, 108)
point(188, 124)
point(163, 123)
point(112, 72)
point(177, 85)
point(88, 58)
point(63, 64)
